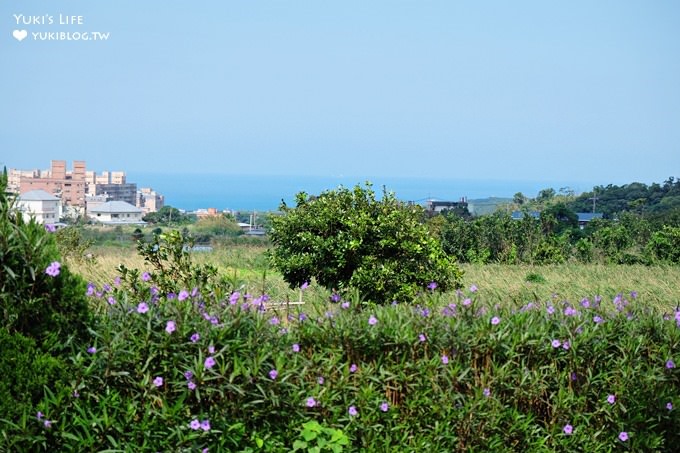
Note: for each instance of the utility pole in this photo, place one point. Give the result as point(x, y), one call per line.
point(594, 198)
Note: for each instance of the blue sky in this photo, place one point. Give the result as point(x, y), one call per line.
point(584, 91)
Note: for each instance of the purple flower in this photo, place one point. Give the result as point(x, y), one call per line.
point(597, 319)
point(320, 380)
point(183, 295)
point(445, 359)
point(195, 424)
point(53, 269)
point(353, 368)
point(209, 362)
point(91, 349)
point(344, 305)
point(422, 338)
point(211, 349)
point(566, 345)
point(633, 294)
point(568, 429)
point(304, 286)
point(274, 321)
point(556, 343)
point(142, 307)
point(473, 288)
point(670, 364)
point(188, 374)
point(195, 337)
point(585, 303)
point(273, 374)
point(550, 309)
point(90, 289)
point(432, 286)
point(335, 297)
point(39, 415)
point(467, 302)
point(111, 300)
point(570, 311)
point(146, 277)
point(623, 436)
point(486, 392)
point(50, 228)
point(47, 424)
point(205, 425)
point(310, 402)
point(296, 347)
point(384, 407)
point(170, 327)
point(191, 385)
point(495, 320)
point(116, 281)
point(372, 320)
point(669, 406)
point(353, 411)
point(573, 376)
point(611, 399)
point(158, 381)
point(235, 296)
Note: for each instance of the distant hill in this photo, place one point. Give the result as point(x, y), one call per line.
point(483, 206)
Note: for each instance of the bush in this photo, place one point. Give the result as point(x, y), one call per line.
point(26, 371)
point(451, 374)
point(347, 239)
point(664, 245)
point(39, 297)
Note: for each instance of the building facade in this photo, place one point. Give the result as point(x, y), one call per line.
point(68, 186)
point(116, 213)
point(43, 206)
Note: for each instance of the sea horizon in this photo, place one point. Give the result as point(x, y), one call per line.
point(192, 191)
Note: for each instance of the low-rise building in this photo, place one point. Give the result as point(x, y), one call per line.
point(42, 205)
point(116, 213)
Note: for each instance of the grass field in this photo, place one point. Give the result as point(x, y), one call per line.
point(656, 286)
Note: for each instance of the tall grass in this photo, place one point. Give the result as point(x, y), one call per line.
point(247, 265)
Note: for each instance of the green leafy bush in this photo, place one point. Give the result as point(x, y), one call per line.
point(25, 371)
point(39, 297)
point(664, 245)
point(348, 239)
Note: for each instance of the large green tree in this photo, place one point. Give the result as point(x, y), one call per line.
point(347, 238)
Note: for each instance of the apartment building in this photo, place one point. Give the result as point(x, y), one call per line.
point(67, 185)
point(149, 201)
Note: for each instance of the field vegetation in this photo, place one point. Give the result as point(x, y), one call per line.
point(140, 343)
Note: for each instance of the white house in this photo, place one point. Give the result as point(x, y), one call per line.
point(45, 207)
point(116, 212)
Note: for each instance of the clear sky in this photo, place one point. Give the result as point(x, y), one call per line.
point(509, 90)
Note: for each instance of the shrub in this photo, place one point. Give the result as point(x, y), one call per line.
point(348, 239)
point(664, 245)
point(39, 297)
point(25, 371)
point(451, 374)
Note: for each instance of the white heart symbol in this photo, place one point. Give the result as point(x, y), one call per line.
point(19, 35)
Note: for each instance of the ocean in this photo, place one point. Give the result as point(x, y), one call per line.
point(265, 193)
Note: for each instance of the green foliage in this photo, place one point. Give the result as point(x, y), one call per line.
point(452, 374)
point(167, 215)
point(25, 371)
point(208, 228)
point(46, 308)
point(348, 239)
point(169, 255)
point(664, 245)
point(316, 438)
point(72, 244)
point(650, 201)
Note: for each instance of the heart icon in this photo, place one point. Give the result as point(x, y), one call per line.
point(19, 35)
